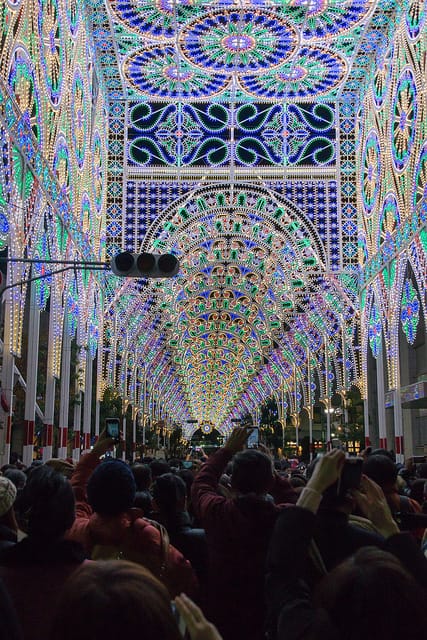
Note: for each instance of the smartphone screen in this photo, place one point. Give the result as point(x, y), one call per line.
point(351, 475)
point(112, 428)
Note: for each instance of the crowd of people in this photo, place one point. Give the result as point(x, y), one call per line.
point(237, 547)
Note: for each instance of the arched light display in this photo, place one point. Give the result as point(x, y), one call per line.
point(261, 142)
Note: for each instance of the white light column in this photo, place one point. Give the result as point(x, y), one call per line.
point(87, 402)
point(31, 391)
point(7, 377)
point(381, 400)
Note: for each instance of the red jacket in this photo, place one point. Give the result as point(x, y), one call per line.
point(141, 537)
point(238, 532)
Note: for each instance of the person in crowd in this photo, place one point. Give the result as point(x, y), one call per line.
point(118, 599)
point(372, 594)
point(158, 468)
point(10, 629)
point(108, 526)
point(142, 475)
point(62, 466)
point(238, 531)
point(17, 476)
point(35, 568)
point(143, 501)
point(170, 504)
point(339, 533)
point(383, 471)
point(8, 524)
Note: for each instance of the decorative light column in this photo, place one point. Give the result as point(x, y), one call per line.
point(77, 416)
point(31, 391)
point(65, 391)
point(381, 399)
point(7, 376)
point(87, 403)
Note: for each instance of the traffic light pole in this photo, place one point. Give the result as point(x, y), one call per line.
point(71, 264)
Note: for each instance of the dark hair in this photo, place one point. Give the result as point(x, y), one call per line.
point(159, 467)
point(422, 470)
point(417, 490)
point(381, 469)
point(46, 503)
point(252, 472)
point(142, 475)
point(113, 599)
point(111, 488)
point(16, 476)
point(188, 476)
point(169, 492)
point(143, 501)
point(370, 595)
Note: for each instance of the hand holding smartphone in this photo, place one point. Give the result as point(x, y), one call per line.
point(112, 429)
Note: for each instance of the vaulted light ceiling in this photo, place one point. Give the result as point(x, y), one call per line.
point(233, 144)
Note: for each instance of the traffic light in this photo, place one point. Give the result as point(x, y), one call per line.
point(144, 265)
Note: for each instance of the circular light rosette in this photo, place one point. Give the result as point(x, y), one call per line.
point(156, 72)
point(78, 118)
point(371, 170)
point(388, 222)
point(403, 126)
point(232, 40)
point(382, 77)
point(320, 19)
point(155, 18)
point(410, 311)
point(416, 14)
point(22, 82)
point(419, 196)
point(51, 48)
point(313, 72)
point(62, 165)
point(97, 171)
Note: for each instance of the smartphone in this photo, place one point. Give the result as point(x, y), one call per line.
point(351, 475)
point(179, 620)
point(112, 428)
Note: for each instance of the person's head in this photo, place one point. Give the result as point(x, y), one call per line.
point(169, 492)
point(382, 470)
point(371, 595)
point(46, 504)
point(16, 476)
point(252, 472)
point(422, 470)
point(383, 452)
point(417, 490)
point(158, 468)
point(113, 599)
point(143, 501)
point(111, 488)
point(142, 475)
point(7, 499)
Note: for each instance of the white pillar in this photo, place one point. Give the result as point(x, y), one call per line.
point(64, 405)
point(328, 427)
point(124, 438)
point(7, 377)
point(32, 365)
point(381, 400)
point(87, 406)
point(77, 416)
point(368, 442)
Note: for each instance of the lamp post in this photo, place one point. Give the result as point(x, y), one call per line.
point(328, 411)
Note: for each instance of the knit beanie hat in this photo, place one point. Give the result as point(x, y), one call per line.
point(111, 488)
point(7, 495)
